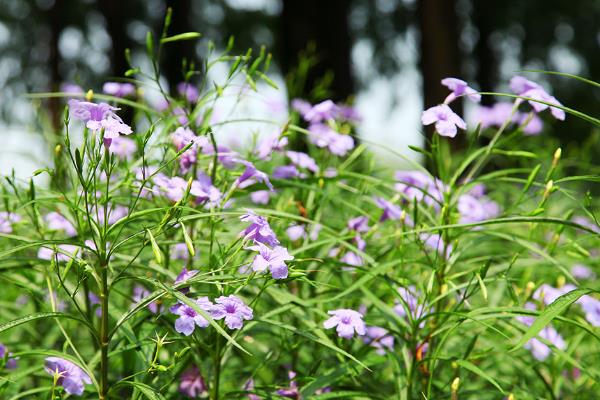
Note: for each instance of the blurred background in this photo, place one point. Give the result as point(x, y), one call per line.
point(386, 57)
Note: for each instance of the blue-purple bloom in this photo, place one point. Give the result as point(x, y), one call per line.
point(539, 349)
point(192, 384)
point(295, 232)
point(71, 377)
point(11, 363)
point(390, 210)
point(233, 310)
point(252, 175)
point(118, 89)
point(498, 113)
point(189, 91)
point(359, 224)
point(379, 338)
point(302, 160)
point(475, 209)
point(435, 242)
point(460, 88)
point(7, 219)
point(124, 148)
point(99, 116)
point(267, 146)
point(273, 259)
point(410, 302)
point(287, 172)
point(189, 318)
point(446, 121)
point(581, 271)
point(322, 135)
point(260, 197)
point(259, 229)
point(291, 392)
point(526, 88)
point(57, 222)
point(347, 322)
point(64, 254)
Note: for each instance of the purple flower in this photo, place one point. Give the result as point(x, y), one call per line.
point(260, 197)
point(287, 172)
point(410, 301)
point(302, 106)
point(139, 293)
point(540, 350)
point(249, 387)
point(267, 146)
point(549, 294)
point(113, 213)
point(591, 308)
point(347, 322)
point(295, 232)
point(64, 254)
point(379, 338)
point(203, 189)
point(192, 383)
point(95, 303)
point(251, 175)
point(499, 113)
point(233, 310)
point(57, 222)
point(98, 116)
point(459, 88)
point(302, 160)
point(123, 147)
point(7, 219)
point(359, 224)
point(581, 271)
point(184, 275)
point(291, 392)
point(188, 91)
point(473, 209)
point(446, 121)
point(420, 186)
point(322, 111)
point(258, 230)
point(118, 89)
point(11, 363)
point(583, 221)
point(227, 157)
point(189, 318)
point(70, 376)
point(72, 88)
point(273, 259)
point(526, 88)
point(390, 211)
point(435, 242)
point(179, 251)
point(323, 136)
point(181, 138)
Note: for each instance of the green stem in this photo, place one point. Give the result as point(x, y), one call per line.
point(104, 329)
point(217, 366)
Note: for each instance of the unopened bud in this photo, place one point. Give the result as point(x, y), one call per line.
point(57, 149)
point(556, 158)
point(455, 384)
point(89, 95)
point(454, 365)
point(549, 187)
point(444, 288)
point(529, 288)
point(510, 397)
point(560, 282)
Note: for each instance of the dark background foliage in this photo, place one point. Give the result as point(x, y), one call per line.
point(46, 42)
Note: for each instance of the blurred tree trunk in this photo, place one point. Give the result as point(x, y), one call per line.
point(325, 25)
point(440, 55)
point(487, 68)
point(117, 16)
point(176, 52)
point(318, 30)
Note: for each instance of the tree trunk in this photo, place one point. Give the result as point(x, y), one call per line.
point(440, 56)
point(325, 25)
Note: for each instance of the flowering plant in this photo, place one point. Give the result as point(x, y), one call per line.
point(162, 263)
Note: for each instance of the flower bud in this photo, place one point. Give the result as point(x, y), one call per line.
point(455, 384)
point(549, 187)
point(89, 95)
point(529, 288)
point(560, 282)
point(57, 149)
point(556, 158)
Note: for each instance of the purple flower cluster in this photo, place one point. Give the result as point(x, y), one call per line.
point(526, 88)
point(230, 308)
point(57, 222)
point(379, 338)
point(192, 384)
point(118, 89)
point(539, 349)
point(498, 113)
point(419, 186)
point(321, 118)
point(272, 259)
point(410, 304)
